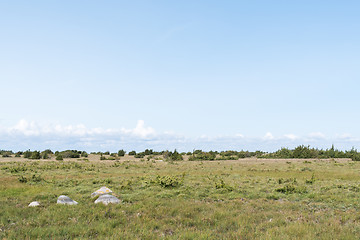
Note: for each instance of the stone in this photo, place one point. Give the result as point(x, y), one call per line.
point(34, 204)
point(66, 200)
point(101, 191)
point(106, 199)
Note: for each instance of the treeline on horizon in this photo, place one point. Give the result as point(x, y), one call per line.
point(301, 151)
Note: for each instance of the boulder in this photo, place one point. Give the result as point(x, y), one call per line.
point(101, 191)
point(34, 204)
point(66, 200)
point(106, 199)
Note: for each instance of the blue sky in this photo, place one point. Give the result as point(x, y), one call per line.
point(187, 74)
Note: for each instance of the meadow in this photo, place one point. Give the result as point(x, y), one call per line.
point(249, 198)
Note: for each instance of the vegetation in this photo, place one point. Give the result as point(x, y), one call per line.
point(132, 153)
point(121, 153)
point(262, 199)
point(172, 156)
point(308, 152)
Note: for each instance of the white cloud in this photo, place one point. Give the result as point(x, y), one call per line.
point(291, 136)
point(316, 135)
point(140, 130)
point(268, 136)
point(29, 134)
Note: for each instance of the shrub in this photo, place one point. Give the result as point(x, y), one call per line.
point(84, 154)
point(22, 179)
point(44, 155)
point(169, 181)
point(148, 151)
point(311, 180)
point(132, 153)
point(35, 155)
point(289, 189)
point(36, 178)
point(172, 156)
point(48, 151)
point(220, 184)
point(59, 157)
point(27, 154)
point(140, 155)
point(6, 153)
point(121, 153)
point(203, 156)
point(70, 154)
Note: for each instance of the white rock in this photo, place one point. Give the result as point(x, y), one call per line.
point(101, 191)
point(34, 204)
point(106, 199)
point(66, 200)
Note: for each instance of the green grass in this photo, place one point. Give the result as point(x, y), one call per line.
point(257, 199)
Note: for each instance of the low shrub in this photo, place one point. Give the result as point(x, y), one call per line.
point(311, 180)
point(169, 181)
point(220, 184)
point(121, 153)
point(289, 189)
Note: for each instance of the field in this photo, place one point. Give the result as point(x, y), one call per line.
point(236, 199)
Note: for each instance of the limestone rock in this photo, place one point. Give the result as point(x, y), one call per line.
point(66, 200)
point(101, 191)
point(106, 199)
point(34, 204)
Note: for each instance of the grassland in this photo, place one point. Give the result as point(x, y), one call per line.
point(240, 199)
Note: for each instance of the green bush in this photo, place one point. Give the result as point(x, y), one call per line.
point(132, 153)
point(22, 179)
point(84, 154)
point(220, 184)
point(172, 156)
point(70, 154)
point(169, 181)
point(311, 180)
point(35, 155)
point(202, 156)
point(59, 157)
point(148, 151)
point(27, 154)
point(140, 155)
point(289, 189)
point(44, 155)
point(121, 153)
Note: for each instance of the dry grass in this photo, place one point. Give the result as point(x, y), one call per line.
point(244, 199)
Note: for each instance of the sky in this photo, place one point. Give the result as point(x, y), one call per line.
point(109, 75)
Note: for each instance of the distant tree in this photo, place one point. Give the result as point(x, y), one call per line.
point(139, 155)
point(132, 153)
point(35, 155)
point(148, 151)
point(121, 153)
point(27, 154)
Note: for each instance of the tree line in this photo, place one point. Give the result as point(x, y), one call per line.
point(301, 151)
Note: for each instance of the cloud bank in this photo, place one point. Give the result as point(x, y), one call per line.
point(32, 135)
